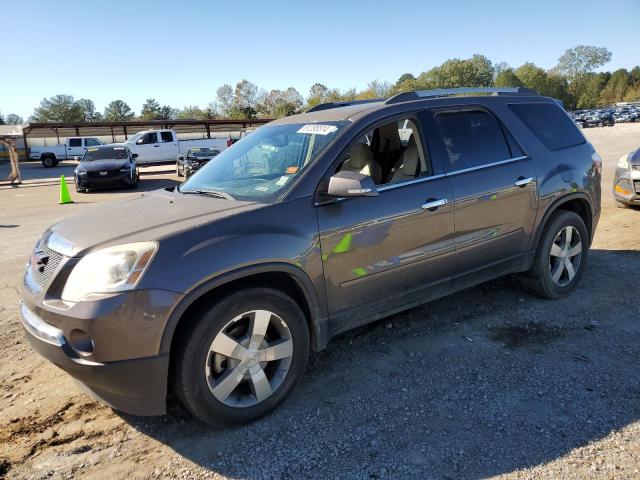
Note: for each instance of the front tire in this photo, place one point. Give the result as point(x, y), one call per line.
point(178, 170)
point(561, 256)
point(242, 356)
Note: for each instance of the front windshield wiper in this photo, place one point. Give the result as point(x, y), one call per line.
point(209, 193)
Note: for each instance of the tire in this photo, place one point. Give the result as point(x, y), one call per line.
point(78, 189)
point(49, 161)
point(540, 279)
point(199, 372)
point(178, 170)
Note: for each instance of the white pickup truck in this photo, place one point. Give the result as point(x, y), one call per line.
point(51, 155)
point(163, 146)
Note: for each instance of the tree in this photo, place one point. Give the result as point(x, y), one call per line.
point(2, 121)
point(317, 95)
point(88, 110)
point(225, 99)
point(13, 119)
point(507, 78)
point(405, 77)
point(167, 113)
point(151, 110)
point(476, 71)
point(192, 112)
point(59, 108)
point(278, 103)
point(615, 89)
point(118, 111)
point(376, 89)
point(576, 63)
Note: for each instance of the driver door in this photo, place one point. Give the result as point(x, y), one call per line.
point(148, 148)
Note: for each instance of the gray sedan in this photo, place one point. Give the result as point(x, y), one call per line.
point(626, 182)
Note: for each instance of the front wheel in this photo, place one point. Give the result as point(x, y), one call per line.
point(242, 357)
point(561, 256)
point(178, 170)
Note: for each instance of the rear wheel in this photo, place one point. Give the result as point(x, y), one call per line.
point(242, 357)
point(561, 256)
point(49, 161)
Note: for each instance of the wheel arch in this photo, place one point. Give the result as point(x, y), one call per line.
point(282, 276)
point(579, 203)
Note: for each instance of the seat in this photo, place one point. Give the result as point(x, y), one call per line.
point(361, 161)
point(387, 146)
point(408, 166)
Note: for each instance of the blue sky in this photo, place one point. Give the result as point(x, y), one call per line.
point(181, 52)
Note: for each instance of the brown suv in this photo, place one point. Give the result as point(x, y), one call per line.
point(313, 225)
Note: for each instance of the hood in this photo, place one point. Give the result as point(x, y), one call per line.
point(149, 216)
point(102, 165)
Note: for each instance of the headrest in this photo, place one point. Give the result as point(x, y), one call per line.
point(389, 132)
point(410, 161)
point(360, 155)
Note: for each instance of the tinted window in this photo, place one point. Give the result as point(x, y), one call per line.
point(549, 123)
point(91, 142)
point(166, 136)
point(105, 153)
point(75, 142)
point(148, 138)
point(471, 138)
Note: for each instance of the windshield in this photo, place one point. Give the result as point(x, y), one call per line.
point(108, 153)
point(134, 138)
point(203, 152)
point(260, 165)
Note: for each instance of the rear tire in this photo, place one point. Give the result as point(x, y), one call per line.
point(558, 264)
point(49, 161)
point(250, 380)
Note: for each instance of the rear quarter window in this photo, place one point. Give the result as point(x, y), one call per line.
point(549, 123)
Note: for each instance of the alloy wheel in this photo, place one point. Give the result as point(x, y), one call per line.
point(565, 256)
point(249, 358)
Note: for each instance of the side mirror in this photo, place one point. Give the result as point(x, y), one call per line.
point(180, 157)
point(135, 155)
point(347, 184)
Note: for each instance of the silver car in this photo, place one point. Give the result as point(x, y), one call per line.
point(626, 182)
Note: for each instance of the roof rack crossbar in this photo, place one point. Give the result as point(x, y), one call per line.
point(448, 92)
point(346, 103)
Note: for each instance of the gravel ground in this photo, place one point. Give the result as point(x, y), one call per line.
point(489, 382)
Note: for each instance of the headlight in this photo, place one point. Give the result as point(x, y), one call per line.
point(114, 269)
point(623, 163)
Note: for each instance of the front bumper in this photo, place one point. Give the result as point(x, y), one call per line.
point(136, 386)
point(626, 186)
point(118, 179)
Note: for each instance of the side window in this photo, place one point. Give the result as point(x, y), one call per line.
point(75, 142)
point(148, 138)
point(389, 153)
point(549, 123)
point(471, 138)
point(166, 137)
point(90, 142)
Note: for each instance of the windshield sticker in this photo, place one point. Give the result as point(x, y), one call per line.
point(260, 188)
point(318, 129)
point(118, 148)
point(282, 180)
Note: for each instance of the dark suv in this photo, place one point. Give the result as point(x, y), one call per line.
point(311, 226)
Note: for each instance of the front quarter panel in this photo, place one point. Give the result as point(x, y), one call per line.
point(284, 233)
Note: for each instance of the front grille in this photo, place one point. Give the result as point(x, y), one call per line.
point(44, 264)
point(110, 174)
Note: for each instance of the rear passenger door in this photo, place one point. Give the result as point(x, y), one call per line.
point(169, 146)
point(494, 188)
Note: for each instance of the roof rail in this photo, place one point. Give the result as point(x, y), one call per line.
point(346, 103)
point(448, 92)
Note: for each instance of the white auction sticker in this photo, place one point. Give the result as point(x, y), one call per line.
point(282, 180)
point(318, 129)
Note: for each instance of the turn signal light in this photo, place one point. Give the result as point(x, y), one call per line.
point(622, 190)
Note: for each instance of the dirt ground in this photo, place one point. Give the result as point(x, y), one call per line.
point(490, 382)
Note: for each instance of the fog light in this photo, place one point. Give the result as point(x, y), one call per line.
point(81, 342)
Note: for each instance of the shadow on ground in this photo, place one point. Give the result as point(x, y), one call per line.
point(484, 382)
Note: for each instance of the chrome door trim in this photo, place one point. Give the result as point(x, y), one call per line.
point(434, 204)
point(391, 186)
point(486, 165)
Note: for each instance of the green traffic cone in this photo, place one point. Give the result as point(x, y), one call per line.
point(64, 192)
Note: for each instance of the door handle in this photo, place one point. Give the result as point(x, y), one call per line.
point(433, 204)
point(521, 181)
point(156, 146)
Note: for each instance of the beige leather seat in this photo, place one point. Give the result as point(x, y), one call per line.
point(407, 166)
point(361, 161)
